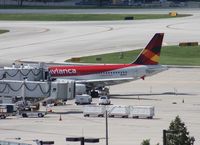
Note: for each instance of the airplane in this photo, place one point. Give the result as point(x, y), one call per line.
point(102, 75)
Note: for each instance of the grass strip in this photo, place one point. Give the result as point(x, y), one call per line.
point(170, 55)
point(82, 17)
point(3, 31)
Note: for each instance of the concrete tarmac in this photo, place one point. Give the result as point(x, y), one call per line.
point(162, 91)
point(58, 41)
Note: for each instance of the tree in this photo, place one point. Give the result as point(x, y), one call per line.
point(181, 135)
point(146, 142)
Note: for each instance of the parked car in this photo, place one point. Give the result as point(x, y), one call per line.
point(104, 100)
point(83, 99)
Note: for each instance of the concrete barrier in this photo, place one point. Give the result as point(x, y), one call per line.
point(188, 44)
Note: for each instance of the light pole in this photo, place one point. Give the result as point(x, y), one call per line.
point(106, 126)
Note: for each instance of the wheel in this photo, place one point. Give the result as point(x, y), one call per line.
point(40, 115)
point(2, 116)
point(111, 116)
point(24, 115)
point(86, 115)
point(94, 94)
point(125, 116)
point(150, 117)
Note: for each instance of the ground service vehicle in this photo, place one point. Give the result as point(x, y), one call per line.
point(3, 112)
point(33, 114)
point(83, 99)
point(104, 100)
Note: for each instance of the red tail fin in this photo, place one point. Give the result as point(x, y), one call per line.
point(151, 54)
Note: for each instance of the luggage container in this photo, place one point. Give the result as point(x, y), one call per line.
point(118, 111)
point(94, 110)
point(141, 112)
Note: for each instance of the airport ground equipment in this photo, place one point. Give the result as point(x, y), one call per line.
point(94, 110)
point(10, 108)
point(3, 112)
point(104, 100)
point(141, 112)
point(60, 89)
point(33, 114)
point(83, 99)
point(119, 111)
point(7, 110)
point(40, 142)
point(11, 143)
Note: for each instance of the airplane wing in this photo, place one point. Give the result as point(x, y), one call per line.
point(106, 82)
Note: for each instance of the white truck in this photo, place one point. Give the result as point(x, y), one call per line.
point(142, 112)
point(83, 99)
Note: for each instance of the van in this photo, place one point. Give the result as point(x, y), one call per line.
point(83, 99)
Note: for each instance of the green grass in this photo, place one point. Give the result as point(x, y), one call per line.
point(3, 31)
point(81, 17)
point(170, 55)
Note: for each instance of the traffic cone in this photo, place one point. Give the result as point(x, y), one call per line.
point(60, 119)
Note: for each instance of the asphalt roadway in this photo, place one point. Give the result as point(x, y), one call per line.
point(57, 41)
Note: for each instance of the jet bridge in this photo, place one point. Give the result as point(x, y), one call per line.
point(61, 89)
point(20, 72)
point(32, 80)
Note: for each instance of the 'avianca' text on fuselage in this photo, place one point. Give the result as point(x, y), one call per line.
point(63, 71)
point(86, 70)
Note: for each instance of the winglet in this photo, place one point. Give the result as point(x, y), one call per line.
point(151, 54)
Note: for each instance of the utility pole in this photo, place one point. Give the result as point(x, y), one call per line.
point(106, 127)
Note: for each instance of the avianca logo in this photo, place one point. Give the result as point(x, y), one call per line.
point(62, 71)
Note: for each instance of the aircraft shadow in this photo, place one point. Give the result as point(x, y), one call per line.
point(138, 95)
